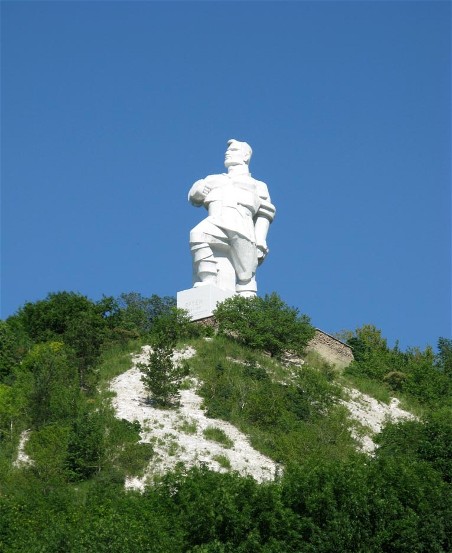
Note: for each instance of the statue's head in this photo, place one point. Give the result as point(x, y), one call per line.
point(238, 153)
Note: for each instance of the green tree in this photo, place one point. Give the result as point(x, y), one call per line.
point(138, 313)
point(428, 440)
point(264, 323)
point(162, 376)
point(47, 448)
point(8, 358)
point(86, 335)
point(72, 319)
point(86, 444)
point(367, 341)
point(47, 381)
point(445, 356)
point(416, 372)
point(48, 319)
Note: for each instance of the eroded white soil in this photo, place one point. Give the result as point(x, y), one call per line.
point(372, 415)
point(177, 434)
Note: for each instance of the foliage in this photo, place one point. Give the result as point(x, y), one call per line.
point(86, 445)
point(162, 376)
point(47, 448)
point(285, 419)
point(217, 435)
point(328, 499)
point(264, 323)
point(49, 319)
point(429, 440)
point(86, 335)
point(139, 313)
point(70, 318)
point(47, 384)
point(444, 359)
point(414, 372)
point(10, 410)
point(369, 506)
point(13, 347)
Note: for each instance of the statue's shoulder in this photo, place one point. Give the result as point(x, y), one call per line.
point(261, 188)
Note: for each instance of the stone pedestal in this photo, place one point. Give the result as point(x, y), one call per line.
point(200, 302)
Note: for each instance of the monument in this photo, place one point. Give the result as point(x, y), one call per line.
point(229, 244)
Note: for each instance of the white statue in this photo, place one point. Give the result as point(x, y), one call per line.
point(229, 244)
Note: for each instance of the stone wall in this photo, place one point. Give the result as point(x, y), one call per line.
point(331, 349)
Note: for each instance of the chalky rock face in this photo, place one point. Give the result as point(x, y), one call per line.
point(229, 244)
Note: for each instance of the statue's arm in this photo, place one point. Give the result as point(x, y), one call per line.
point(198, 192)
point(263, 219)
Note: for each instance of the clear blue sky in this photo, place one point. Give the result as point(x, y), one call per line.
point(111, 110)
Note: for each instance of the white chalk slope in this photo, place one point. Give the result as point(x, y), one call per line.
point(177, 434)
point(164, 428)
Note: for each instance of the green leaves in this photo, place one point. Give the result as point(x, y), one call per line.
point(264, 323)
point(418, 373)
point(48, 382)
point(162, 376)
point(429, 440)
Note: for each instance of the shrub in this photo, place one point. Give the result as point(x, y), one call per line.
point(217, 435)
point(162, 377)
point(264, 323)
point(223, 461)
point(395, 380)
point(47, 381)
point(138, 313)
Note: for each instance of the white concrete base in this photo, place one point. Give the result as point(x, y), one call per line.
point(200, 302)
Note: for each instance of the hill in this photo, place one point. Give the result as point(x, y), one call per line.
point(250, 453)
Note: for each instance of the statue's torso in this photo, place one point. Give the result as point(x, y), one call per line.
point(239, 193)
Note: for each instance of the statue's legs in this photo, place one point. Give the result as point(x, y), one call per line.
point(204, 264)
point(244, 260)
point(246, 288)
point(228, 261)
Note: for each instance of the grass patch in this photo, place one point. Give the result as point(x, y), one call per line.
point(173, 448)
point(187, 384)
point(372, 388)
point(188, 427)
point(223, 461)
point(316, 361)
point(287, 412)
point(218, 435)
point(118, 359)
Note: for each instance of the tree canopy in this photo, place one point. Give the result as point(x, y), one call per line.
point(266, 323)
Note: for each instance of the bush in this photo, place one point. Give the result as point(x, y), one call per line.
point(395, 380)
point(162, 377)
point(429, 440)
point(13, 346)
point(264, 323)
point(48, 385)
point(418, 373)
point(138, 313)
point(218, 435)
point(70, 318)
